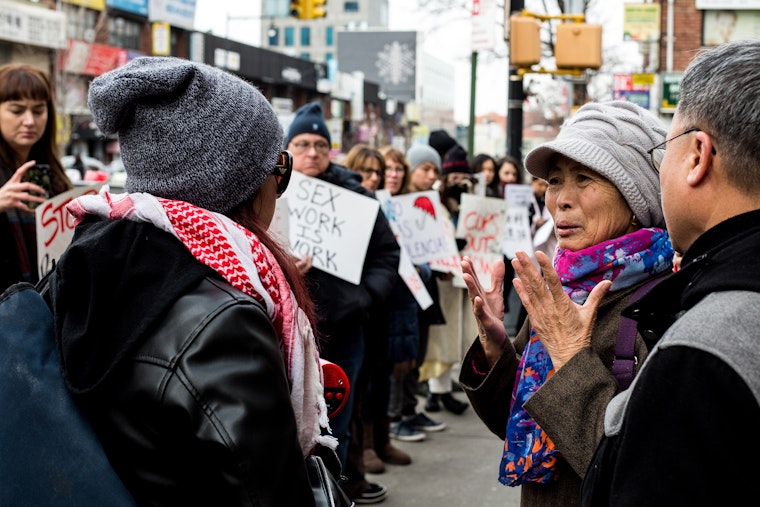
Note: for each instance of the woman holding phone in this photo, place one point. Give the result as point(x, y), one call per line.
point(28, 154)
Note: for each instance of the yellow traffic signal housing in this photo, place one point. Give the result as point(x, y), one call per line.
point(579, 45)
point(524, 41)
point(298, 9)
point(315, 8)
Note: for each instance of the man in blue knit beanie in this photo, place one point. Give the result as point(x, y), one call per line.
point(345, 308)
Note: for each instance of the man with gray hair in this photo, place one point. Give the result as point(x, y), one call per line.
point(666, 440)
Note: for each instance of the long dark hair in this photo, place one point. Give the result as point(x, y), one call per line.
point(21, 81)
point(245, 215)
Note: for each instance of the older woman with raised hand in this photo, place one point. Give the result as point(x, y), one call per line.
point(545, 393)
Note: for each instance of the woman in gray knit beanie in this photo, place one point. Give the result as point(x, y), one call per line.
point(545, 392)
point(184, 328)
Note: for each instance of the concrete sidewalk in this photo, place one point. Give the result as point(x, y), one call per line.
point(456, 467)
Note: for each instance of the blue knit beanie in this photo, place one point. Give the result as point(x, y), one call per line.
point(188, 131)
point(309, 119)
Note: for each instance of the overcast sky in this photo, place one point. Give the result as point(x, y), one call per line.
point(447, 38)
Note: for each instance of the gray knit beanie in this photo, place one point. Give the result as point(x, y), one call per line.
point(188, 131)
point(612, 139)
point(420, 153)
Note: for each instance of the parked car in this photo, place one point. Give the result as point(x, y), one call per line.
point(95, 170)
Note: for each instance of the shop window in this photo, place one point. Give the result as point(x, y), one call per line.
point(124, 33)
point(290, 36)
point(80, 22)
point(350, 6)
point(305, 56)
point(329, 36)
point(305, 36)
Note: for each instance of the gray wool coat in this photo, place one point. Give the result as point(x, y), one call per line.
point(569, 407)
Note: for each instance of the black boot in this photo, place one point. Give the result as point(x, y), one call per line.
point(452, 404)
point(432, 403)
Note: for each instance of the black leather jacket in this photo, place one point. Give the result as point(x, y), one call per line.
point(180, 373)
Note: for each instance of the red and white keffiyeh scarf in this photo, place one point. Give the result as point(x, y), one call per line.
point(240, 258)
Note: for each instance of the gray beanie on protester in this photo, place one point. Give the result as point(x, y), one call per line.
point(188, 131)
point(420, 153)
point(612, 139)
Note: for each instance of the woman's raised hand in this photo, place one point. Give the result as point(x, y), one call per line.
point(563, 326)
point(16, 192)
point(488, 308)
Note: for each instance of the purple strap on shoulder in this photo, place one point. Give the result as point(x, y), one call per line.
point(624, 365)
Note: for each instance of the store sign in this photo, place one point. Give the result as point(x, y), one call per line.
point(36, 26)
point(641, 22)
point(179, 13)
point(671, 91)
point(92, 59)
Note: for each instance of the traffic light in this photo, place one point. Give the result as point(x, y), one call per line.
point(298, 9)
point(524, 41)
point(317, 8)
point(579, 45)
point(308, 9)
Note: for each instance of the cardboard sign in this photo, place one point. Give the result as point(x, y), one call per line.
point(331, 224)
point(420, 226)
point(55, 226)
point(482, 223)
point(406, 268)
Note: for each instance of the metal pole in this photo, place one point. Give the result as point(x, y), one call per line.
point(473, 80)
point(515, 98)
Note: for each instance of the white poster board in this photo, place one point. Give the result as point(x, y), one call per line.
point(482, 222)
point(55, 226)
point(331, 224)
point(406, 268)
point(518, 195)
point(517, 232)
point(421, 226)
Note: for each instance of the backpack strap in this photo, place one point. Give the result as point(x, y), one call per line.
point(624, 365)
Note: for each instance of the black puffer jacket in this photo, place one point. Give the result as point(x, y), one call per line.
point(179, 372)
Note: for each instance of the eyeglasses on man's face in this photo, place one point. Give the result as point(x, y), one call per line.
point(282, 171)
point(658, 152)
point(321, 147)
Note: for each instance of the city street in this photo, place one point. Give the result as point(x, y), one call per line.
point(456, 467)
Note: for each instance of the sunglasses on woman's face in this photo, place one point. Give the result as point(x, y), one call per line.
point(282, 171)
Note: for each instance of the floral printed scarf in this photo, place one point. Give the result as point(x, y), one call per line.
point(529, 454)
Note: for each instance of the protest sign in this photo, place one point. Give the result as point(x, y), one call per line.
point(517, 232)
point(55, 226)
point(406, 268)
point(331, 224)
point(482, 222)
point(421, 226)
point(450, 263)
point(518, 195)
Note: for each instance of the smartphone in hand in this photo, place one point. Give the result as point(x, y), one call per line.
point(39, 175)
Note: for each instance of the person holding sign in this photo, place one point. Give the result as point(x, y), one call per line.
point(344, 308)
point(604, 197)
point(184, 328)
point(30, 170)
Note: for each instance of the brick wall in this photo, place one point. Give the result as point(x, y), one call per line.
point(687, 24)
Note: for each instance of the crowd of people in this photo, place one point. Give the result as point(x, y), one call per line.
point(637, 332)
